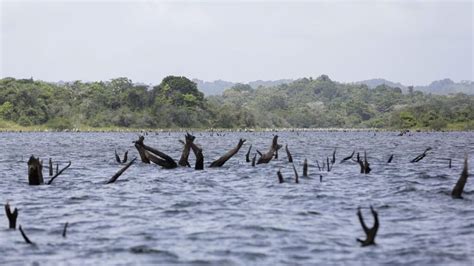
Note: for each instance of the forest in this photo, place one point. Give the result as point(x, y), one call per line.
point(177, 103)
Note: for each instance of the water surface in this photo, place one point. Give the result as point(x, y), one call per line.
point(238, 214)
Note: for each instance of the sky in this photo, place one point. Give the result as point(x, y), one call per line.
point(413, 42)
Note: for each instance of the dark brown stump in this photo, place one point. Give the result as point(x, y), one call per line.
point(247, 156)
point(288, 154)
point(35, 171)
point(280, 177)
point(305, 168)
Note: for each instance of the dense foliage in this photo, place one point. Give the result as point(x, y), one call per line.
point(176, 102)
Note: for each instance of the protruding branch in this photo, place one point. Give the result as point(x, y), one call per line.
point(348, 157)
point(247, 156)
point(65, 229)
point(125, 157)
point(11, 216)
point(364, 165)
point(459, 187)
point(280, 177)
point(297, 177)
point(50, 167)
point(369, 232)
point(199, 156)
point(221, 161)
point(254, 159)
point(305, 168)
point(288, 154)
point(148, 154)
point(117, 158)
point(120, 172)
point(27, 240)
point(390, 159)
point(421, 156)
point(59, 173)
point(333, 160)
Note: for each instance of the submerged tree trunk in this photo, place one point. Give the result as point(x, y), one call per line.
point(148, 154)
point(183, 161)
point(459, 187)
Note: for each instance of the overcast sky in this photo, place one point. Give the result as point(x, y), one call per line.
point(410, 42)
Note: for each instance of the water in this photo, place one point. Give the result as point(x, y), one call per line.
point(237, 214)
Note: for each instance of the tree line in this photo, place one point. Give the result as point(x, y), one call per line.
point(177, 103)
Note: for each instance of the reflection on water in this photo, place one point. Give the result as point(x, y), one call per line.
point(238, 214)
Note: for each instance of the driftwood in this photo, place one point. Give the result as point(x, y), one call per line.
point(221, 161)
point(305, 168)
point(247, 156)
point(288, 154)
point(27, 240)
point(280, 177)
point(254, 159)
point(267, 157)
point(11, 216)
point(183, 161)
point(120, 172)
point(148, 154)
point(59, 173)
point(35, 171)
point(369, 232)
point(348, 157)
point(65, 229)
point(421, 156)
point(297, 177)
point(459, 187)
point(390, 159)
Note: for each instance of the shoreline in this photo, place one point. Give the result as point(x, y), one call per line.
point(217, 130)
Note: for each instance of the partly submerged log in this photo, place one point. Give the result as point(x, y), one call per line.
point(224, 158)
point(247, 156)
point(421, 156)
point(267, 157)
point(183, 161)
point(459, 187)
point(27, 240)
point(305, 168)
point(370, 233)
point(288, 154)
point(11, 216)
point(59, 173)
point(120, 172)
point(154, 155)
point(35, 171)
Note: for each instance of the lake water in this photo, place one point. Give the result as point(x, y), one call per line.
point(238, 214)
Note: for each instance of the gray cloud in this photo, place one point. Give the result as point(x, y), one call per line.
point(411, 42)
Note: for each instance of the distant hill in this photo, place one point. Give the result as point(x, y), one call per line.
point(441, 87)
point(372, 83)
point(218, 86)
